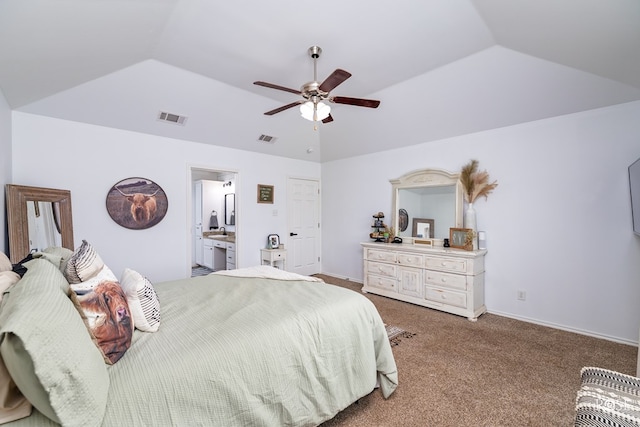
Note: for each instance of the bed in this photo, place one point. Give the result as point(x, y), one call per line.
point(251, 347)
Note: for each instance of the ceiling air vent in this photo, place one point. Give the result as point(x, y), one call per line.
point(171, 118)
point(267, 139)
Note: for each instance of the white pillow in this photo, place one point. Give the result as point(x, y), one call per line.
point(7, 280)
point(5, 263)
point(143, 300)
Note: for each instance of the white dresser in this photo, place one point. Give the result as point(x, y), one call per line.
point(450, 280)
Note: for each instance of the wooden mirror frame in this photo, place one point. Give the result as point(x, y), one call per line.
point(18, 224)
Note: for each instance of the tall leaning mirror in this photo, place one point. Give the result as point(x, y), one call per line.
point(230, 209)
point(37, 218)
point(426, 204)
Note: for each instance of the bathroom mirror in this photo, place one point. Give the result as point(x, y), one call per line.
point(230, 209)
point(431, 196)
point(37, 218)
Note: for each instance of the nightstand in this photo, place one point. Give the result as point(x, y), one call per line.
point(272, 256)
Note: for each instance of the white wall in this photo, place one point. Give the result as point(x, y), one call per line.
point(5, 165)
point(89, 159)
point(558, 225)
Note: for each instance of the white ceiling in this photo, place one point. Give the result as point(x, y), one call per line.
point(441, 68)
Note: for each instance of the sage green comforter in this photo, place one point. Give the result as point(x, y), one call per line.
point(249, 352)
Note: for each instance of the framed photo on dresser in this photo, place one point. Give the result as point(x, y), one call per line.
point(461, 238)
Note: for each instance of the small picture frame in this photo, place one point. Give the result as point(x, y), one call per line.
point(422, 228)
point(273, 241)
point(265, 193)
point(461, 238)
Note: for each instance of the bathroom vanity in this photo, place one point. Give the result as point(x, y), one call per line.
point(219, 252)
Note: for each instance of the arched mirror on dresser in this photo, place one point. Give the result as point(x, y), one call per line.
point(37, 218)
point(426, 201)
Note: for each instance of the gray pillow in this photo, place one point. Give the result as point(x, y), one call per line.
point(48, 351)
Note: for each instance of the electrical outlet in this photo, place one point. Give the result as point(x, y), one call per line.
point(522, 295)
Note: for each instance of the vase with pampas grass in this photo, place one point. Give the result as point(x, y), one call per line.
point(475, 184)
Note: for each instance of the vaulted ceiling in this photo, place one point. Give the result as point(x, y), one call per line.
point(440, 68)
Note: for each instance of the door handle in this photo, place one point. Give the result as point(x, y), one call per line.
point(293, 234)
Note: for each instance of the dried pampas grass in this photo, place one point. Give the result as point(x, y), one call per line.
point(476, 184)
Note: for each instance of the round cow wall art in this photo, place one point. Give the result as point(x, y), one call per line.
point(137, 203)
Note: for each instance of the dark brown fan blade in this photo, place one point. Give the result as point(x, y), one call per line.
point(371, 103)
point(284, 107)
point(328, 119)
point(272, 86)
point(331, 82)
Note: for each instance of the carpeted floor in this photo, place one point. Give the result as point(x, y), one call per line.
point(493, 372)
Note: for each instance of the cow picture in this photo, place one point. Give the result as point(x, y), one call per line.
point(137, 203)
point(109, 319)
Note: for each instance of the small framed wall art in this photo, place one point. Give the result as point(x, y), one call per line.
point(265, 193)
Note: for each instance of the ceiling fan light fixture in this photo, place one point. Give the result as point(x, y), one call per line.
point(312, 108)
point(315, 112)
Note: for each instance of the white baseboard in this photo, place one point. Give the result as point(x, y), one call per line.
point(339, 276)
point(566, 328)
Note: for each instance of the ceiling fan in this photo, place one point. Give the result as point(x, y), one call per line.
point(313, 93)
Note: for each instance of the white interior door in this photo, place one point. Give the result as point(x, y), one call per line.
point(303, 205)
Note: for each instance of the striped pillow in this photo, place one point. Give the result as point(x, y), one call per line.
point(143, 300)
point(607, 398)
point(83, 264)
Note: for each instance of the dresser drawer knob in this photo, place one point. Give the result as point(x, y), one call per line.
point(444, 279)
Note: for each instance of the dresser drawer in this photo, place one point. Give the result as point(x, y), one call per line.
point(382, 256)
point(457, 299)
point(446, 264)
point(381, 269)
point(455, 281)
point(410, 260)
point(381, 282)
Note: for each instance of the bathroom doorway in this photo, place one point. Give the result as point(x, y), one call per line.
point(212, 206)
